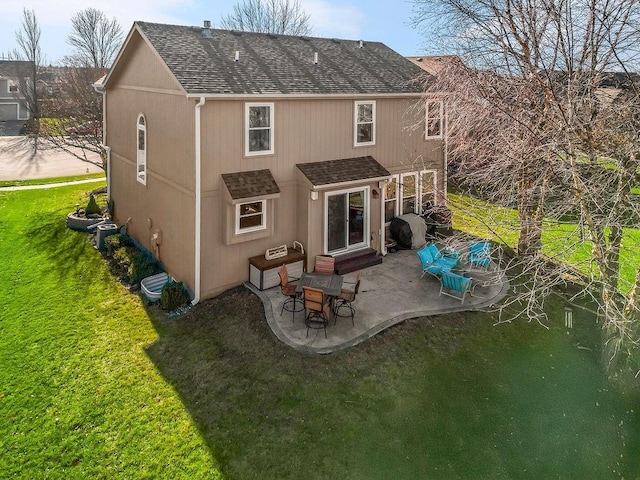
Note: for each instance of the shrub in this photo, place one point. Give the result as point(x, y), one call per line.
point(174, 295)
point(113, 243)
point(141, 266)
point(92, 207)
point(124, 256)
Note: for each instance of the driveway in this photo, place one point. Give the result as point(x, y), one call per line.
point(11, 128)
point(18, 161)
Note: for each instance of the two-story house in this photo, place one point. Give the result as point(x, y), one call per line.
point(222, 144)
point(14, 77)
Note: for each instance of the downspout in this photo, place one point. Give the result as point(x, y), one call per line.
point(196, 281)
point(107, 151)
point(383, 240)
point(446, 154)
point(99, 88)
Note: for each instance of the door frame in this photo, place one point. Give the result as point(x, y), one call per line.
point(366, 223)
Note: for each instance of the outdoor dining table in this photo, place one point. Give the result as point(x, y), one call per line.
point(331, 285)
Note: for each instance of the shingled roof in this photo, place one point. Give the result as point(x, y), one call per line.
point(204, 63)
point(251, 184)
point(15, 68)
point(332, 172)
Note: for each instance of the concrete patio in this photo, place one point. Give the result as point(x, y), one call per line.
point(389, 293)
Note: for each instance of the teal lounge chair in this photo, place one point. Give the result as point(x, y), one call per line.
point(434, 262)
point(479, 254)
point(457, 285)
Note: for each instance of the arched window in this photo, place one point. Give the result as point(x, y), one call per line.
point(141, 164)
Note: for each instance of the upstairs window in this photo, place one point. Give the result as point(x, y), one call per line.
point(258, 129)
point(141, 163)
point(365, 124)
point(434, 119)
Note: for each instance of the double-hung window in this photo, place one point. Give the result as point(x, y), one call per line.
point(259, 129)
point(141, 158)
point(251, 216)
point(365, 124)
point(434, 126)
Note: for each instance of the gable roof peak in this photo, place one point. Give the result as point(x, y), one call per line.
point(278, 64)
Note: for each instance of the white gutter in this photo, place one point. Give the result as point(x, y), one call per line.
point(301, 96)
point(196, 281)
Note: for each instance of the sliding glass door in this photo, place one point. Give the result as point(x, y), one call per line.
point(346, 220)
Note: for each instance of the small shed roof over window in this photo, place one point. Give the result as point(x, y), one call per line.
point(246, 186)
point(348, 170)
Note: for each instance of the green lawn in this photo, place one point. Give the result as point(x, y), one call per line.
point(560, 241)
point(93, 385)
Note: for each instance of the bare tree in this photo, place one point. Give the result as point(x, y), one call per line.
point(539, 121)
point(75, 115)
point(95, 38)
point(28, 39)
point(268, 16)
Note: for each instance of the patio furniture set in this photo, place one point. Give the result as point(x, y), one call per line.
point(456, 279)
point(322, 294)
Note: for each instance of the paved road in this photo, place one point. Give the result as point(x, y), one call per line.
point(19, 162)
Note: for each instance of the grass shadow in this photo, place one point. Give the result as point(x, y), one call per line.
point(436, 397)
point(63, 248)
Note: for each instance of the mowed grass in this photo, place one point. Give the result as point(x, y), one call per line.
point(78, 395)
point(93, 385)
point(560, 241)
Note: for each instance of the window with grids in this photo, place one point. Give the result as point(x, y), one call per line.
point(259, 128)
point(251, 216)
point(434, 119)
point(365, 123)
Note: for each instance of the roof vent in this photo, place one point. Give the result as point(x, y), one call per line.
point(315, 58)
point(237, 56)
point(206, 31)
point(361, 44)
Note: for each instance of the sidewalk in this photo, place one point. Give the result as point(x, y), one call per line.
point(49, 185)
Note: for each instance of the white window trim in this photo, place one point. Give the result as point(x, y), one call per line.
point(271, 150)
point(141, 155)
point(401, 192)
point(396, 200)
point(356, 123)
point(263, 224)
point(419, 189)
point(434, 186)
point(428, 117)
point(367, 224)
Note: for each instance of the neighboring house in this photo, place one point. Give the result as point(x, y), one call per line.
point(435, 63)
point(223, 144)
point(14, 78)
